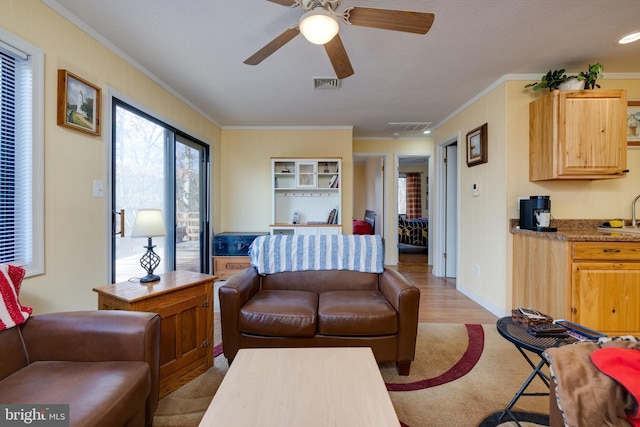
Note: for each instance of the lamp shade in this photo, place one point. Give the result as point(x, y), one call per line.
point(318, 26)
point(149, 223)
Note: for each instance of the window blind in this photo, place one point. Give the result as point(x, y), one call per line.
point(15, 160)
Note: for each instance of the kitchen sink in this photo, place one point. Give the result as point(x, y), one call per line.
point(623, 230)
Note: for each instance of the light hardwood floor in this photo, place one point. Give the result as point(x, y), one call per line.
point(440, 302)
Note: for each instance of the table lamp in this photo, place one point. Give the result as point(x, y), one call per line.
point(149, 223)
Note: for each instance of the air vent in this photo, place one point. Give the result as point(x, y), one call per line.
point(326, 83)
point(407, 127)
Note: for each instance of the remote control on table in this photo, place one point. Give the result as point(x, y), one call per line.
point(580, 330)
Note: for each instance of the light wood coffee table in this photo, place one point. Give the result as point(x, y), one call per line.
point(302, 387)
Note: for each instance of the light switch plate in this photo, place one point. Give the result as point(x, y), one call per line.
point(98, 188)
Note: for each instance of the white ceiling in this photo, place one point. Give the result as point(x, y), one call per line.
point(196, 48)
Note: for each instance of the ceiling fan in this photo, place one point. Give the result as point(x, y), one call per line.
point(325, 10)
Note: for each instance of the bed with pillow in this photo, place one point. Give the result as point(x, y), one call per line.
point(414, 231)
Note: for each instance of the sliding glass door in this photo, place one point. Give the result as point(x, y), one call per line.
point(190, 204)
point(154, 166)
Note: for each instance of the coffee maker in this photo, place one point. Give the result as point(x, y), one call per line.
point(533, 210)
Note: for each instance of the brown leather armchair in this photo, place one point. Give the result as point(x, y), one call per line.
point(327, 308)
point(103, 364)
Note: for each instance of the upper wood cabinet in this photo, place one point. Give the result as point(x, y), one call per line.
point(578, 135)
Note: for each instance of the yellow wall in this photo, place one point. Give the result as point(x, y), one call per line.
point(359, 197)
point(481, 220)
point(76, 258)
point(484, 238)
point(597, 199)
point(76, 238)
point(608, 198)
point(246, 171)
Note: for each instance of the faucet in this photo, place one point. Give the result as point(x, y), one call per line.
point(633, 211)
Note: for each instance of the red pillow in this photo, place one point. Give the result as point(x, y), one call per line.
point(12, 313)
point(361, 227)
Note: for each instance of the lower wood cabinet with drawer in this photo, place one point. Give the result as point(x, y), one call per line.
point(226, 266)
point(184, 301)
point(596, 284)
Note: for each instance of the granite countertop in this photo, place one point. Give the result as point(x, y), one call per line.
point(577, 230)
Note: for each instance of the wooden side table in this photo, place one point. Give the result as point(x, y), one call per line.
point(184, 301)
point(518, 336)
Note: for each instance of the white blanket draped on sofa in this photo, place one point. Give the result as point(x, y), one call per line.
point(276, 254)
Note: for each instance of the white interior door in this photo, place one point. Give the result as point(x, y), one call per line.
point(451, 216)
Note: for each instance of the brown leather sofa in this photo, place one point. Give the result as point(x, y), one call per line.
point(103, 364)
point(328, 308)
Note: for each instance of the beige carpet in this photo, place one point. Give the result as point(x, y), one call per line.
point(462, 402)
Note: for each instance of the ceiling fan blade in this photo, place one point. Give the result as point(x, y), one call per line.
point(289, 3)
point(272, 46)
point(338, 57)
point(387, 19)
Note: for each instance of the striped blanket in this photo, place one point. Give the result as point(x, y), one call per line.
point(276, 254)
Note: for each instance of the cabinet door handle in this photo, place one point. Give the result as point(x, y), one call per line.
point(609, 251)
point(205, 304)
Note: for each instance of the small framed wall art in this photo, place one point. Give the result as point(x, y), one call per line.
point(633, 123)
point(477, 146)
point(78, 103)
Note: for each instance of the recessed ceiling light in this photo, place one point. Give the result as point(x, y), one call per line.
point(427, 132)
point(630, 38)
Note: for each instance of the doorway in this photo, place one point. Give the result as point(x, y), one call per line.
point(369, 180)
point(446, 232)
point(413, 203)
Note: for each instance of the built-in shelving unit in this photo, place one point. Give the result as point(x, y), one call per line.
point(306, 196)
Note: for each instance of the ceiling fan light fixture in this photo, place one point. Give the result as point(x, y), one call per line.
point(318, 26)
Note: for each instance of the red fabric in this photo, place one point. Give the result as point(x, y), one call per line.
point(414, 195)
point(12, 313)
point(623, 365)
point(361, 227)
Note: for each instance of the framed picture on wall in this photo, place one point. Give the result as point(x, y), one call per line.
point(633, 123)
point(78, 103)
point(477, 146)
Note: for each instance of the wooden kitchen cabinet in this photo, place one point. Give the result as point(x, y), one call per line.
point(595, 284)
point(578, 135)
point(184, 301)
